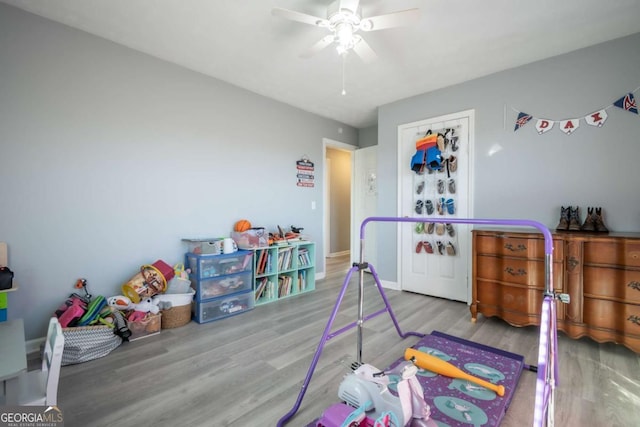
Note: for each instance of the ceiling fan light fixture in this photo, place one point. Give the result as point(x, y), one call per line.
point(344, 21)
point(344, 36)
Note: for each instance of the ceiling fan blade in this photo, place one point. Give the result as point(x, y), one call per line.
point(318, 46)
point(299, 17)
point(390, 20)
point(351, 5)
point(364, 51)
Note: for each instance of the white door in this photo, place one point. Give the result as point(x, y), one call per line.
point(365, 199)
point(435, 258)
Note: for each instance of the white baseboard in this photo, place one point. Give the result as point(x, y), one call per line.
point(390, 285)
point(320, 276)
point(33, 346)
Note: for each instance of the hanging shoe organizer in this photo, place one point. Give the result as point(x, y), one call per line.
point(434, 196)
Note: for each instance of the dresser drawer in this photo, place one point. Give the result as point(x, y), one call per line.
point(509, 298)
point(517, 271)
point(618, 252)
point(612, 283)
point(612, 315)
point(514, 246)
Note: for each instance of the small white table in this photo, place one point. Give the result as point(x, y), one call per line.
point(13, 358)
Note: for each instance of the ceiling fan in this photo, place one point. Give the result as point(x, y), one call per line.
point(344, 21)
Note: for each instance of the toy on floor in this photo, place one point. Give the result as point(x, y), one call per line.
point(93, 311)
point(140, 310)
point(119, 302)
point(340, 414)
point(367, 387)
point(343, 415)
point(71, 311)
point(411, 396)
point(75, 307)
point(82, 284)
point(439, 366)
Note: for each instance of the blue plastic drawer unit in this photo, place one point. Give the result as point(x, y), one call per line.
point(210, 265)
point(222, 285)
point(218, 308)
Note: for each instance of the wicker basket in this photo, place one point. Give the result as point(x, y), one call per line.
point(176, 316)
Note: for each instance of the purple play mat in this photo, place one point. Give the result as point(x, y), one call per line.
point(456, 402)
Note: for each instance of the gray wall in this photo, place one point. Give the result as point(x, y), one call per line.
point(533, 175)
point(109, 157)
point(368, 137)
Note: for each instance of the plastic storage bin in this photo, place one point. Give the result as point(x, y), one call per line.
point(218, 308)
point(145, 328)
point(222, 285)
point(208, 266)
point(251, 239)
point(211, 245)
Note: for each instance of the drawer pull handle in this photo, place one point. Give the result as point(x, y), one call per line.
point(518, 248)
point(634, 319)
point(520, 272)
point(634, 285)
point(572, 263)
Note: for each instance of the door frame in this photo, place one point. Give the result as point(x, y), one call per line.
point(330, 143)
point(470, 115)
point(356, 223)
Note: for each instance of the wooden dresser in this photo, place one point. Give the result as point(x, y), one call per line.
point(600, 272)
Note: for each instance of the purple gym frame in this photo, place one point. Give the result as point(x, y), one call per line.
point(548, 342)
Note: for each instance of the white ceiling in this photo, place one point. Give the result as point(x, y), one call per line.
point(242, 43)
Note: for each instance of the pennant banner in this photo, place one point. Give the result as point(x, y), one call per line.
point(627, 102)
point(544, 125)
point(569, 126)
point(596, 119)
point(523, 119)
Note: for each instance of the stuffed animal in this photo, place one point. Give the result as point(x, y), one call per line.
point(119, 302)
point(147, 305)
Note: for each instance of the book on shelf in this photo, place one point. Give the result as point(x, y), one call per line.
point(302, 280)
point(264, 289)
point(303, 257)
point(285, 258)
point(284, 286)
point(261, 261)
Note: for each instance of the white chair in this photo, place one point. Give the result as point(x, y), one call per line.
point(40, 387)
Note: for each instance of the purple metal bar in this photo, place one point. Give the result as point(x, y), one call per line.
point(316, 356)
point(354, 324)
point(547, 354)
point(548, 240)
point(548, 340)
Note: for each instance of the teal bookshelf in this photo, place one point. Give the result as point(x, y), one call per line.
point(284, 270)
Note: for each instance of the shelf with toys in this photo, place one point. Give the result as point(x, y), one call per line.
point(283, 261)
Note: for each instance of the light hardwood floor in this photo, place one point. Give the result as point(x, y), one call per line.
point(247, 370)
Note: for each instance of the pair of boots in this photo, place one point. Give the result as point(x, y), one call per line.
point(594, 221)
point(570, 220)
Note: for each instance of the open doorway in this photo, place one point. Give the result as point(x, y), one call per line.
point(337, 212)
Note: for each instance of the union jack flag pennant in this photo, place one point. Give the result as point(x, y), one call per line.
point(627, 102)
point(523, 119)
